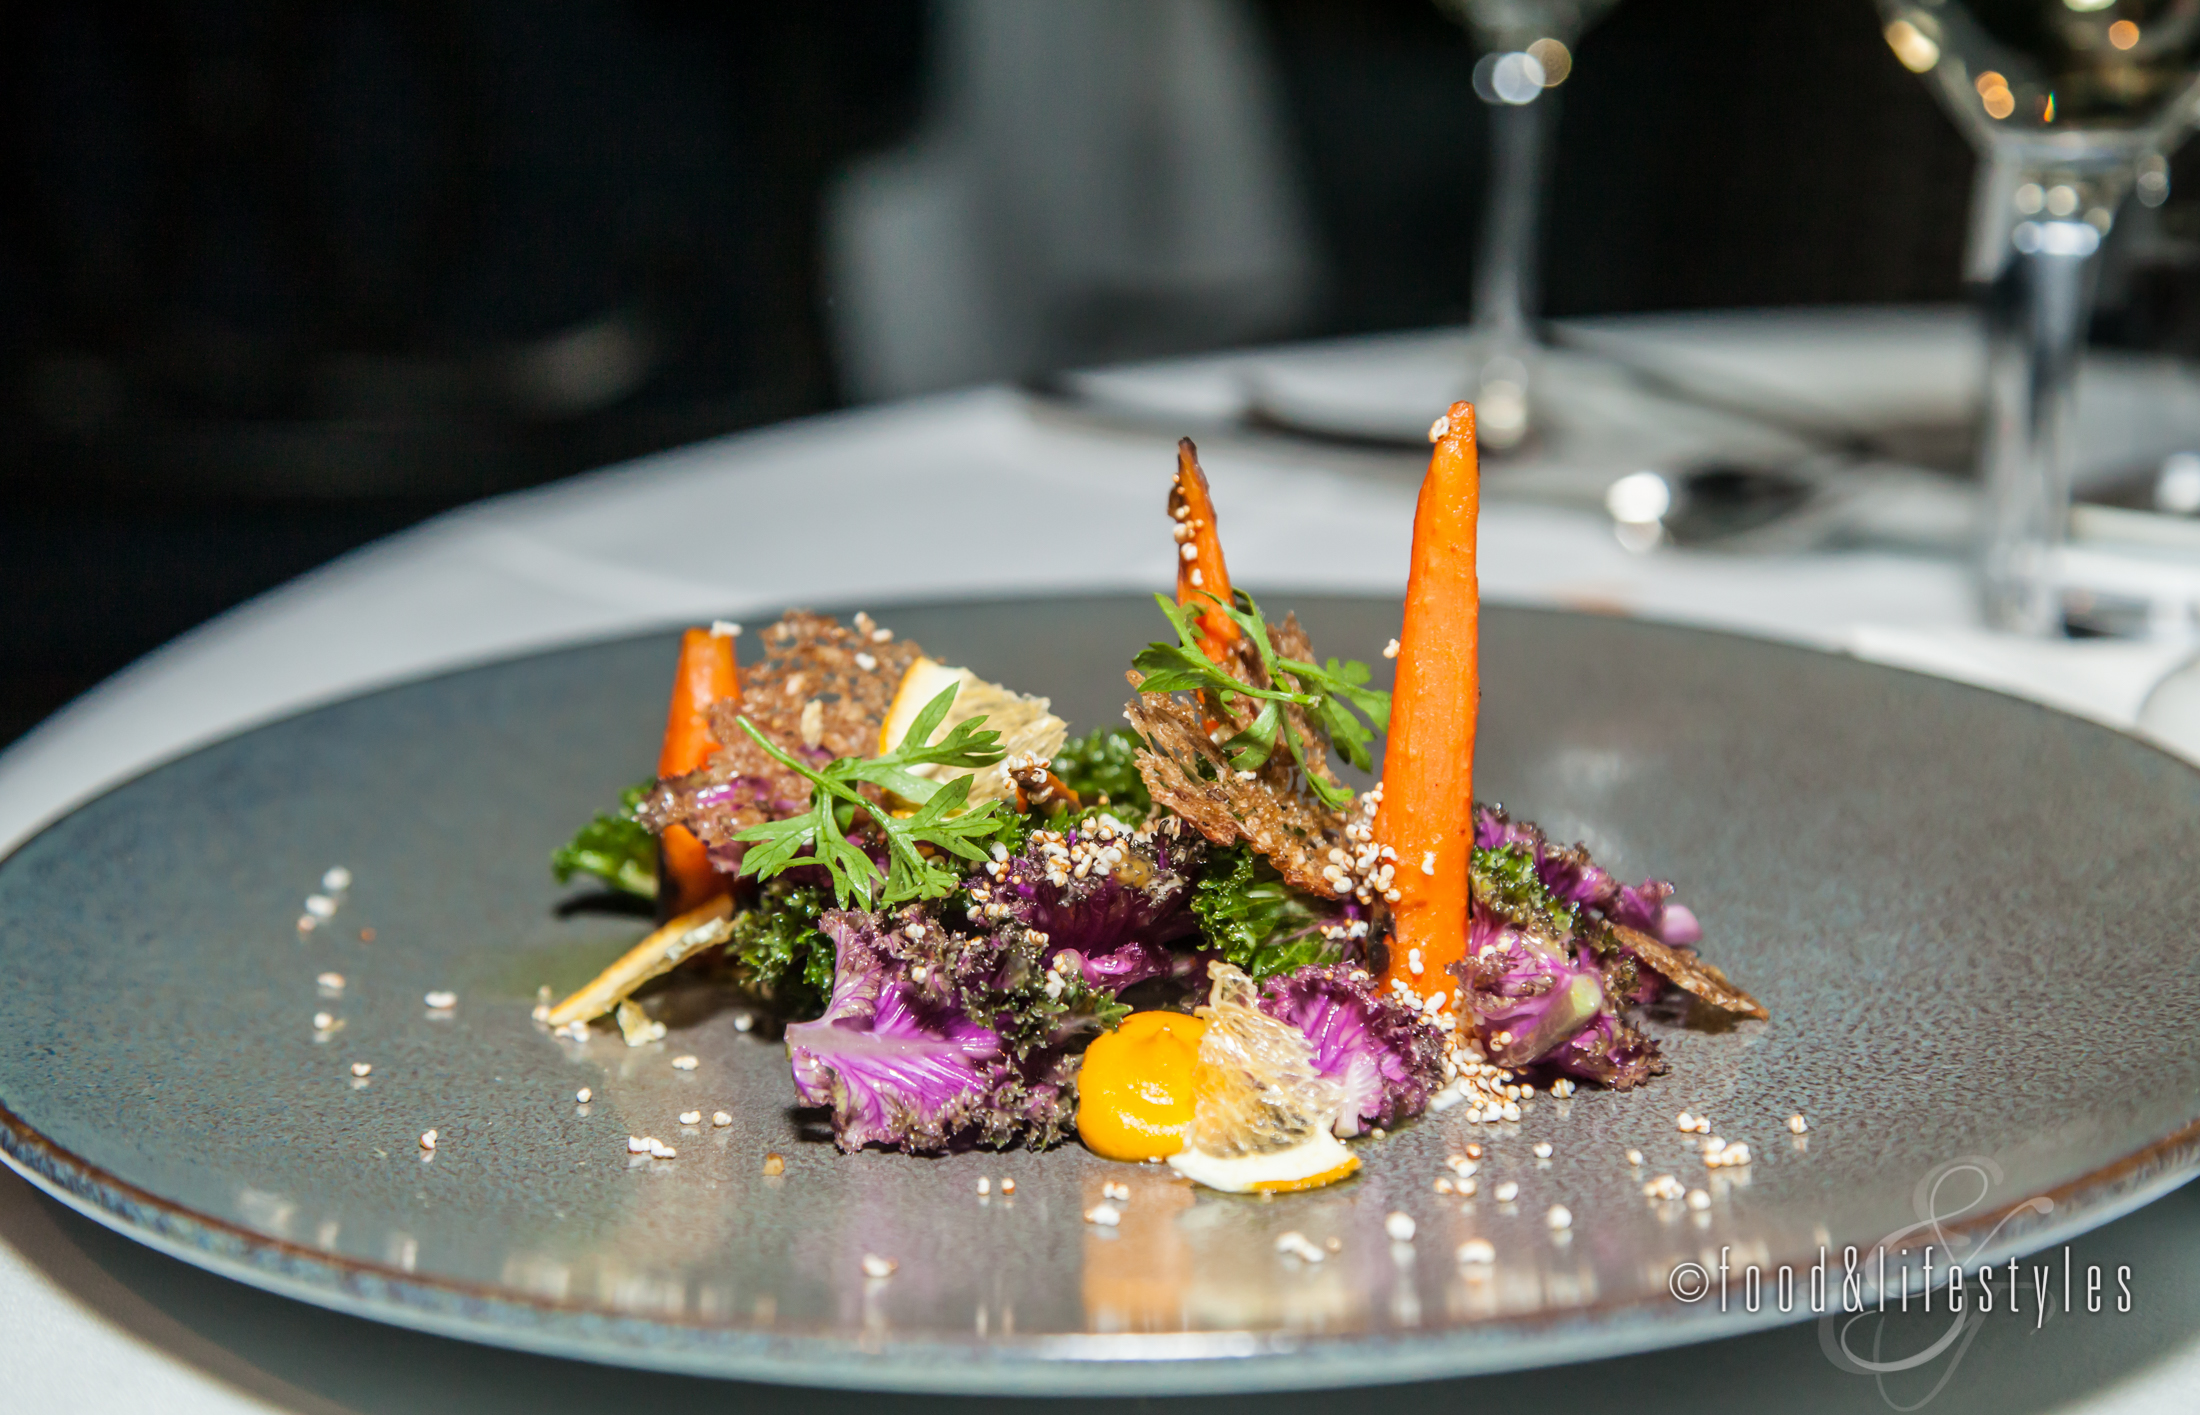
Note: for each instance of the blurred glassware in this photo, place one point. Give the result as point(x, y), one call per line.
point(2073, 104)
point(1530, 53)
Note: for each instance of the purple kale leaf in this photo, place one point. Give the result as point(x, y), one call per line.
point(1588, 897)
point(1388, 1057)
point(1109, 900)
point(1527, 990)
point(897, 1065)
point(935, 1039)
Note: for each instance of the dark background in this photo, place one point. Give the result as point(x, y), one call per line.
point(271, 273)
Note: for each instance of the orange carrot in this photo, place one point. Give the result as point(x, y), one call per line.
point(1201, 573)
point(1427, 813)
point(706, 673)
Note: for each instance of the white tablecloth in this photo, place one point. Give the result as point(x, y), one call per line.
point(979, 493)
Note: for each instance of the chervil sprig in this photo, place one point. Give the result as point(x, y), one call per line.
point(834, 801)
point(1328, 692)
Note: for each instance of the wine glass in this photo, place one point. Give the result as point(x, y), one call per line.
point(2071, 104)
point(1529, 53)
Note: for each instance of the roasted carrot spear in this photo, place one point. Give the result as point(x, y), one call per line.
point(1199, 568)
point(1427, 813)
point(706, 673)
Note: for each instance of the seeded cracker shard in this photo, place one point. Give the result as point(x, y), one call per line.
point(808, 659)
point(1684, 969)
point(1270, 810)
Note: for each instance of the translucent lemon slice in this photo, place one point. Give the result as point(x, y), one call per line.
point(1024, 723)
point(1319, 1159)
point(1262, 1118)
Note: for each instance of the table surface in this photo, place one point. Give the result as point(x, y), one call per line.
point(1006, 494)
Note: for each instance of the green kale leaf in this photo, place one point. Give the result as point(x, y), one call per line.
point(1102, 768)
point(1255, 920)
point(779, 952)
point(614, 847)
point(1505, 880)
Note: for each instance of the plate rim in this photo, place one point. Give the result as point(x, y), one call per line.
point(1062, 1364)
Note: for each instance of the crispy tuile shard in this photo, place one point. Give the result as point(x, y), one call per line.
point(1271, 811)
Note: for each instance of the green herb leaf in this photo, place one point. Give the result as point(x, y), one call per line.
point(1328, 693)
point(940, 823)
point(614, 847)
point(1249, 750)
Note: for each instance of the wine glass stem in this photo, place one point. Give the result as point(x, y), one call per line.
point(2036, 316)
point(1505, 275)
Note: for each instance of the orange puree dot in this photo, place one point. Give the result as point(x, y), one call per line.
point(1134, 1094)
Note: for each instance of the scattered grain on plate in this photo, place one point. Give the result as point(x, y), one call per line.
point(1665, 1186)
point(1443, 1185)
point(1296, 1245)
point(1559, 1217)
point(1698, 1200)
point(584, 1095)
point(1399, 1226)
point(1726, 1157)
point(721, 1118)
point(307, 923)
point(1104, 1215)
point(1121, 1193)
point(878, 1267)
point(1797, 1125)
point(320, 906)
point(361, 1068)
point(658, 1149)
point(1478, 1251)
point(441, 999)
point(1684, 1122)
point(336, 879)
point(1634, 1158)
point(1474, 1152)
point(1008, 1186)
point(985, 1185)
point(366, 935)
point(685, 1063)
point(691, 1117)
point(638, 1145)
point(322, 1021)
point(1507, 1192)
point(334, 982)
point(427, 1139)
point(742, 1022)
point(775, 1164)
point(1542, 1149)
point(1468, 1188)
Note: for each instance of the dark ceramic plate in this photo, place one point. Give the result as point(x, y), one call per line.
point(1970, 917)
